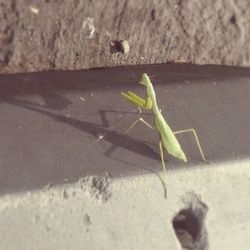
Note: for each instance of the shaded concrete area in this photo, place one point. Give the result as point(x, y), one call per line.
point(52, 122)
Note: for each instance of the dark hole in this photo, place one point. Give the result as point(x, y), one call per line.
point(153, 14)
point(232, 19)
point(116, 46)
point(187, 228)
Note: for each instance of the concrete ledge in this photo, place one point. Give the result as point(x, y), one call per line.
point(77, 34)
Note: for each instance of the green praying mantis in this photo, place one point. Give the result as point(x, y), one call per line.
point(168, 139)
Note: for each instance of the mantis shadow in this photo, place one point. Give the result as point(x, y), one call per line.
point(115, 138)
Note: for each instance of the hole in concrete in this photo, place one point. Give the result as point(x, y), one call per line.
point(153, 14)
point(189, 224)
point(232, 19)
point(119, 46)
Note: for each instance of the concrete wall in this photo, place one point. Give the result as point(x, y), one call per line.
point(77, 34)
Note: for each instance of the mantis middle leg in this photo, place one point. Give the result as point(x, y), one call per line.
point(139, 120)
point(136, 121)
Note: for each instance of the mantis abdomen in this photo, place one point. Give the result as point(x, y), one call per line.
point(168, 138)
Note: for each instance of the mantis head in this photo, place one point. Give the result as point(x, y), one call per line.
point(145, 80)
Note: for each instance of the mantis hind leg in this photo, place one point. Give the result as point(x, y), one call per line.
point(164, 169)
point(196, 139)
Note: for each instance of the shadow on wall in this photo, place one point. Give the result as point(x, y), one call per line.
point(212, 99)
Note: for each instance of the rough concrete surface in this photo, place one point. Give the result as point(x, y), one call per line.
point(136, 216)
point(70, 178)
point(76, 34)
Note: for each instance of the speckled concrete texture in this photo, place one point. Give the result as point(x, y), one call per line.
point(135, 216)
point(77, 34)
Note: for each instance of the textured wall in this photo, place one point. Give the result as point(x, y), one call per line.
point(76, 34)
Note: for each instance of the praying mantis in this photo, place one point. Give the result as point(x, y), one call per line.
point(168, 139)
